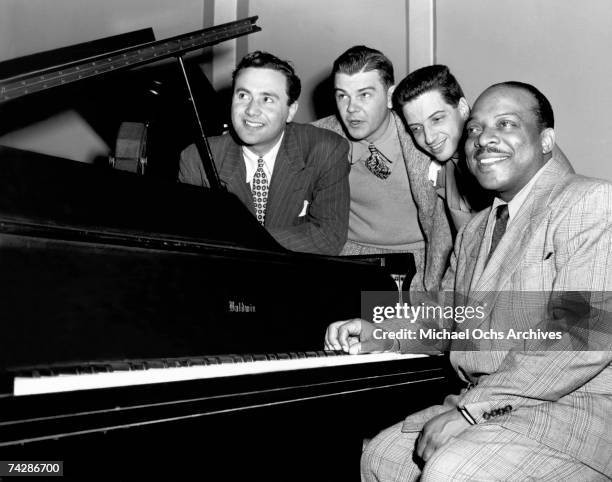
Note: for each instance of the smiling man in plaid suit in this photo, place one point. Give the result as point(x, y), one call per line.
point(542, 257)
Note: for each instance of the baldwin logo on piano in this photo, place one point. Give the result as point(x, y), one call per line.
point(240, 307)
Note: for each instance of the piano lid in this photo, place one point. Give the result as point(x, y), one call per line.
point(174, 110)
point(122, 59)
point(53, 197)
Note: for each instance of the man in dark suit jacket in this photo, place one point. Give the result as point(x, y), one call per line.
point(293, 177)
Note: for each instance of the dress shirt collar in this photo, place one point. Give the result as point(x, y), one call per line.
point(250, 160)
point(519, 199)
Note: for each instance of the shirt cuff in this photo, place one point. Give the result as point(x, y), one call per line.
point(468, 417)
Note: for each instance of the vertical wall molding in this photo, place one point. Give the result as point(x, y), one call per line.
point(421, 16)
point(242, 43)
point(224, 54)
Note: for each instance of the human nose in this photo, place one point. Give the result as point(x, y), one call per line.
point(430, 135)
point(487, 136)
point(252, 108)
point(352, 106)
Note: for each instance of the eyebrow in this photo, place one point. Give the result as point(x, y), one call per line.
point(270, 94)
point(471, 118)
point(267, 94)
point(369, 87)
point(436, 113)
point(508, 113)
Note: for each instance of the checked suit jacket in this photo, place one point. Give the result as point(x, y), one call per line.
point(308, 197)
point(552, 268)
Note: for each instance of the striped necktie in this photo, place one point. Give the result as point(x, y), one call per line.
point(501, 221)
point(259, 188)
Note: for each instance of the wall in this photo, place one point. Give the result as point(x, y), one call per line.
point(312, 33)
point(560, 46)
point(30, 26)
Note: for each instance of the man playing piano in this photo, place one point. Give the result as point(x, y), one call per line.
point(537, 405)
point(292, 177)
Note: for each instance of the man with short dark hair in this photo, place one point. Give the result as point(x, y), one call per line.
point(394, 208)
point(292, 177)
point(435, 110)
point(537, 402)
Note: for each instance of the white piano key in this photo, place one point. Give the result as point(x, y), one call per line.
point(90, 381)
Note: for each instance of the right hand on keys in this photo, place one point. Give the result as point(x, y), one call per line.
point(355, 336)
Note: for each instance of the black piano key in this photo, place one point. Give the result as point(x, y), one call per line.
point(197, 361)
point(225, 359)
point(154, 364)
point(119, 366)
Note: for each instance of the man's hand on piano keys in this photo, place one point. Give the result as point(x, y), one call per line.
point(356, 336)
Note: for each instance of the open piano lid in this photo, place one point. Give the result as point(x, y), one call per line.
point(40, 192)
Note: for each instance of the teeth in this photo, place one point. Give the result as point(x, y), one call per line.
point(253, 124)
point(438, 145)
point(491, 160)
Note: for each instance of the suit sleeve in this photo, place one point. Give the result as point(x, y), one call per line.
point(191, 169)
point(326, 225)
point(580, 301)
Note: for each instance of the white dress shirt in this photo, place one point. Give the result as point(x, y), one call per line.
point(269, 158)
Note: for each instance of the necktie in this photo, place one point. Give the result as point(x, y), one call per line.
point(500, 227)
point(259, 188)
point(377, 163)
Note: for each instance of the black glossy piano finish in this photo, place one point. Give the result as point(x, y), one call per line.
point(103, 266)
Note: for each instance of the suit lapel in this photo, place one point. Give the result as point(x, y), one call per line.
point(507, 256)
point(474, 249)
point(233, 171)
point(288, 164)
point(417, 167)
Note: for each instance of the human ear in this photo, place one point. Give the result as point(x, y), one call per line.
point(390, 96)
point(292, 111)
point(547, 140)
point(464, 108)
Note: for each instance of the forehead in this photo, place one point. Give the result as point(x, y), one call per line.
point(360, 80)
point(259, 79)
point(505, 100)
point(426, 104)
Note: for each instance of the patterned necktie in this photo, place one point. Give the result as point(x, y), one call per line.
point(378, 163)
point(500, 227)
point(259, 188)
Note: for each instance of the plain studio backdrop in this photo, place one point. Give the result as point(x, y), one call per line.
point(560, 46)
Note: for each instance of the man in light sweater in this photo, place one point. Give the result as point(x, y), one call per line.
point(394, 205)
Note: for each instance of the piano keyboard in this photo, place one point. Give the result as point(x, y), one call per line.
point(146, 372)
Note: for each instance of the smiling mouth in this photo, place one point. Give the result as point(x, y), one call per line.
point(487, 161)
point(437, 147)
point(253, 124)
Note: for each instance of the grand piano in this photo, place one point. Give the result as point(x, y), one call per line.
point(154, 330)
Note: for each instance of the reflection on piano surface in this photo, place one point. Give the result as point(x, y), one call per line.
point(138, 342)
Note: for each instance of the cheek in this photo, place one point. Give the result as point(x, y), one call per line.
point(236, 109)
point(420, 139)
